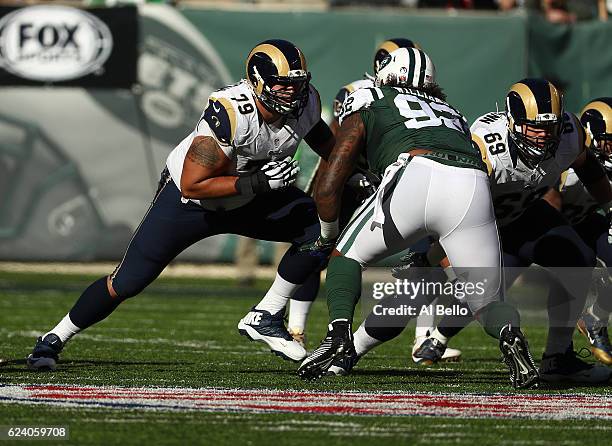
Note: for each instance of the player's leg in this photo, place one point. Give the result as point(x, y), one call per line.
point(300, 303)
point(465, 219)
point(284, 216)
point(168, 227)
point(554, 244)
point(381, 228)
point(593, 323)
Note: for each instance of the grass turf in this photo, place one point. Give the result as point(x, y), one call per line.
point(182, 332)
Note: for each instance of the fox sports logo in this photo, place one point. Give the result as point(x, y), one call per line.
point(53, 43)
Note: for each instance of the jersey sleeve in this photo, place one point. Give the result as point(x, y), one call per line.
point(227, 121)
point(584, 137)
point(479, 143)
point(358, 100)
point(312, 112)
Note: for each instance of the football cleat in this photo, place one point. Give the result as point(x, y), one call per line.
point(515, 350)
point(430, 351)
point(298, 335)
point(568, 367)
point(596, 331)
point(450, 354)
point(336, 350)
point(343, 364)
point(261, 326)
point(45, 354)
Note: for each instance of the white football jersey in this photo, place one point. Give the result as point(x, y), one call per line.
point(231, 118)
point(514, 186)
point(577, 202)
point(347, 90)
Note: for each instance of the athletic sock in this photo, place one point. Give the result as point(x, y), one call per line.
point(277, 296)
point(439, 336)
point(298, 312)
point(94, 305)
point(363, 341)
point(64, 330)
point(343, 286)
point(425, 322)
point(496, 315)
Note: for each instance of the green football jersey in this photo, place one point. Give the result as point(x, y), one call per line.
point(400, 119)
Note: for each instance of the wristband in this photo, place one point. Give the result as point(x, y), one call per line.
point(329, 230)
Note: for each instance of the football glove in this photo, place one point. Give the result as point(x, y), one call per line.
point(362, 186)
point(274, 175)
point(320, 248)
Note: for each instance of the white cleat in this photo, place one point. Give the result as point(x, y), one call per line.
point(298, 335)
point(449, 355)
point(261, 326)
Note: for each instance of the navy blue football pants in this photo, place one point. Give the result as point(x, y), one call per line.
point(171, 226)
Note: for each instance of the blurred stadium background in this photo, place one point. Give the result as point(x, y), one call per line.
point(79, 160)
point(79, 163)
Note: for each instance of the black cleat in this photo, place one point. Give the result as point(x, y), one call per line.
point(514, 347)
point(45, 354)
point(336, 349)
point(568, 367)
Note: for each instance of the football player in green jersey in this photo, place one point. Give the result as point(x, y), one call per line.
point(434, 183)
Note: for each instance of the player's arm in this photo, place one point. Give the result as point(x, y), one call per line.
point(341, 163)
point(590, 171)
point(204, 171)
point(321, 139)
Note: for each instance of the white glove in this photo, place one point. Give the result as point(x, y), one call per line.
point(281, 174)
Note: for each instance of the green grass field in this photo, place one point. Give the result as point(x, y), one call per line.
point(182, 333)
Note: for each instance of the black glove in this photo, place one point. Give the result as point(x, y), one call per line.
point(271, 176)
point(321, 249)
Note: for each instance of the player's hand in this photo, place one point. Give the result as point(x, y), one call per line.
point(410, 261)
point(320, 248)
point(362, 186)
point(280, 174)
point(274, 175)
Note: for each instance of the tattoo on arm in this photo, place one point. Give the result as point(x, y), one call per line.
point(341, 163)
point(204, 151)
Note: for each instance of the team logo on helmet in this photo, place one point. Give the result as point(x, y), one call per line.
point(277, 72)
point(596, 117)
point(534, 108)
point(388, 46)
point(406, 67)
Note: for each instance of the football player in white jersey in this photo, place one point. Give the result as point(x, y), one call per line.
point(233, 174)
point(592, 223)
point(526, 150)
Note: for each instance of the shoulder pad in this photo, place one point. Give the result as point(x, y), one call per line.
point(479, 143)
point(345, 91)
point(490, 122)
point(231, 114)
point(339, 100)
point(359, 100)
point(221, 118)
point(571, 124)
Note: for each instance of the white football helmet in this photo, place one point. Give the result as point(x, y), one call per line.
point(406, 67)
